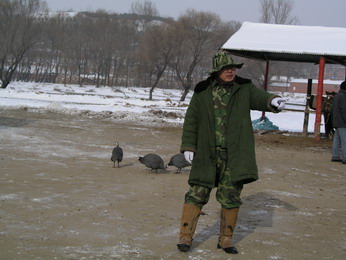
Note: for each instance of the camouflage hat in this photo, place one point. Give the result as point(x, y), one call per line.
point(223, 59)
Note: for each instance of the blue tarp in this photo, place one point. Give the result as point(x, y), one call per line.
point(265, 124)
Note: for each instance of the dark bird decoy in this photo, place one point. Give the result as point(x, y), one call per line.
point(117, 154)
point(178, 160)
point(152, 161)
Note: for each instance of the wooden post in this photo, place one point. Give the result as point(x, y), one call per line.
point(307, 111)
point(265, 84)
point(319, 100)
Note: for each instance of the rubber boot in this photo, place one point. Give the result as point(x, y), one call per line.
point(188, 225)
point(227, 227)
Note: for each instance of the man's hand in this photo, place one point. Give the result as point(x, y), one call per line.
point(279, 103)
point(188, 156)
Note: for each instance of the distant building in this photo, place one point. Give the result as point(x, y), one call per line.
point(300, 86)
point(335, 72)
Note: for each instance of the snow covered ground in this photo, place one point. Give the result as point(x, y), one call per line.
point(127, 104)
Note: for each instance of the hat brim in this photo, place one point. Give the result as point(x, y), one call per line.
point(235, 65)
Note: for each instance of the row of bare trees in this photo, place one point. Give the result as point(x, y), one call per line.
point(108, 49)
point(100, 48)
point(19, 32)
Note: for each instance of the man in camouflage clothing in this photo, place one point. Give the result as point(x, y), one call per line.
point(218, 140)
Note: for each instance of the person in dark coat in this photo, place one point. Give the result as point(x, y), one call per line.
point(339, 123)
point(218, 139)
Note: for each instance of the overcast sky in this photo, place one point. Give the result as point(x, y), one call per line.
point(309, 12)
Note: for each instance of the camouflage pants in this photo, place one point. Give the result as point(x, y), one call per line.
point(227, 193)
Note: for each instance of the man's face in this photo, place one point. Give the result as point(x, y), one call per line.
point(228, 73)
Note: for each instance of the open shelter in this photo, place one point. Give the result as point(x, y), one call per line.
point(277, 42)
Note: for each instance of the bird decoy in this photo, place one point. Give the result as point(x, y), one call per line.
point(152, 161)
point(178, 160)
point(117, 154)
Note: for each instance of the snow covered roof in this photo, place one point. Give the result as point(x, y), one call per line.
point(289, 43)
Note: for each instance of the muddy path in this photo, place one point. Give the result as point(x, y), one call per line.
point(62, 199)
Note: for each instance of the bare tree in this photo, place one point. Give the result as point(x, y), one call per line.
point(123, 45)
point(265, 11)
point(274, 12)
point(19, 31)
point(146, 11)
point(277, 12)
point(156, 51)
point(197, 37)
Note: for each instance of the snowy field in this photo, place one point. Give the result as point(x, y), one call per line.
point(128, 104)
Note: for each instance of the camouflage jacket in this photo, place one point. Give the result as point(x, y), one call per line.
point(221, 98)
point(199, 131)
